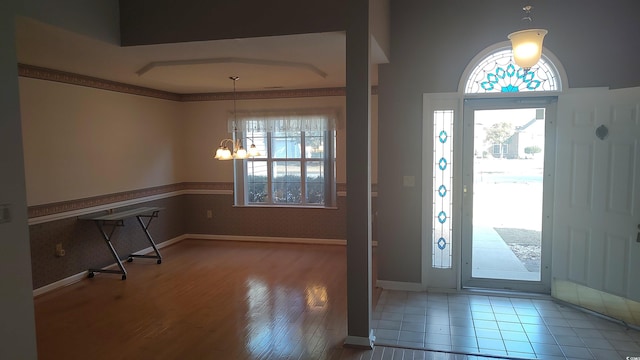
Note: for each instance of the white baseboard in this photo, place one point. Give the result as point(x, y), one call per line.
point(272, 239)
point(267, 239)
point(399, 285)
point(83, 275)
point(60, 283)
point(360, 341)
point(169, 242)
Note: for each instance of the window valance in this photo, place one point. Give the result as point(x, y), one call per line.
point(283, 120)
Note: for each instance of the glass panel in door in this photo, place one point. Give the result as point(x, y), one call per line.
point(508, 169)
point(506, 193)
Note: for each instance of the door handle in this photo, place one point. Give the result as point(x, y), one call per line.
point(638, 236)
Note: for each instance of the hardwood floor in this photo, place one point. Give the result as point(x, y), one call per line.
point(207, 300)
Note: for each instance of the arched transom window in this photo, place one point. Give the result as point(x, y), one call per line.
point(497, 73)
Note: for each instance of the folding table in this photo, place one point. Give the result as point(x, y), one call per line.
point(107, 225)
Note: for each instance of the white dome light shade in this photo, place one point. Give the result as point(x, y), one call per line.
point(241, 153)
point(527, 47)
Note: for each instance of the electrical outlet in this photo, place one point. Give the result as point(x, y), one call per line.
point(209, 214)
point(59, 250)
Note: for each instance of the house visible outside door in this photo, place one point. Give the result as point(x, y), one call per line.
point(507, 172)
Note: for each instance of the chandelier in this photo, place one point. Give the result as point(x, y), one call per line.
point(232, 148)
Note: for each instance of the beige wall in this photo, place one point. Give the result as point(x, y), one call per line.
point(81, 142)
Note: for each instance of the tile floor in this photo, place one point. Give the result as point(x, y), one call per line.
point(508, 327)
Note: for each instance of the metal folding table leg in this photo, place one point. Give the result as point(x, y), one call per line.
point(145, 228)
point(107, 239)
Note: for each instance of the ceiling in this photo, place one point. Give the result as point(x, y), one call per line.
point(281, 62)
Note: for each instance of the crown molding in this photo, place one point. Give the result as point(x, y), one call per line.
point(42, 73)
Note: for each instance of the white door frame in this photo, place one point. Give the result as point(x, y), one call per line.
point(466, 169)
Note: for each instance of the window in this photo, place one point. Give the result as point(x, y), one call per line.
point(296, 164)
point(442, 185)
point(497, 73)
point(496, 149)
point(499, 150)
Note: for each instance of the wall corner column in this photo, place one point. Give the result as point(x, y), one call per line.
point(359, 281)
point(17, 332)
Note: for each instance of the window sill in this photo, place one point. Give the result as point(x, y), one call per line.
point(287, 207)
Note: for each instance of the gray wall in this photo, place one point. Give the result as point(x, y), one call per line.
point(167, 21)
point(98, 19)
point(432, 43)
point(17, 328)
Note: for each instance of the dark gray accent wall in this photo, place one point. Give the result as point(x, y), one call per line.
point(263, 221)
point(85, 247)
point(432, 42)
point(145, 22)
point(182, 214)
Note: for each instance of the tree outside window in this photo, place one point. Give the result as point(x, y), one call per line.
point(499, 134)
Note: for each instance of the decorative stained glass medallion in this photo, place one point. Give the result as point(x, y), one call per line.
point(442, 185)
point(497, 73)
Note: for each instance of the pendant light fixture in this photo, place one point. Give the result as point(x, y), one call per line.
point(237, 151)
point(527, 44)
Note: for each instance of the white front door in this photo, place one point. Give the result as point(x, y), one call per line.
point(596, 240)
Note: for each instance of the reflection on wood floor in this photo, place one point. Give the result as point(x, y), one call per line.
point(210, 300)
point(207, 300)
